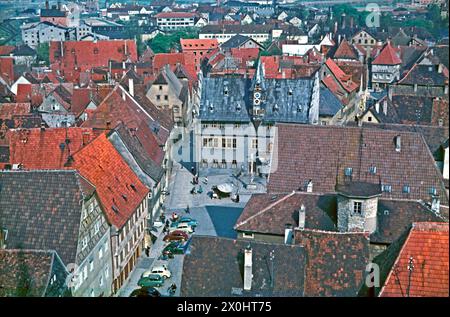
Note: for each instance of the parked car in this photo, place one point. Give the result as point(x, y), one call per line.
point(181, 226)
point(161, 270)
point(176, 235)
point(151, 280)
point(145, 292)
point(175, 247)
point(190, 221)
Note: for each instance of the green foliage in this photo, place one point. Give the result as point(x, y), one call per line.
point(43, 53)
point(163, 43)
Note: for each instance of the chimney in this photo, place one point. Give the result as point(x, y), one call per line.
point(288, 233)
point(42, 126)
point(301, 217)
point(131, 86)
point(343, 21)
point(59, 5)
point(46, 4)
point(86, 138)
point(385, 106)
point(435, 203)
point(398, 143)
point(377, 107)
point(309, 186)
point(248, 268)
point(351, 22)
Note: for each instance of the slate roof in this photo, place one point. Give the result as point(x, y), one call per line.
point(395, 216)
point(336, 262)
point(322, 153)
point(269, 213)
point(424, 75)
point(329, 104)
point(427, 244)
point(48, 149)
point(42, 210)
point(52, 13)
point(25, 273)
point(236, 41)
point(119, 189)
point(133, 144)
point(358, 189)
point(227, 98)
point(213, 267)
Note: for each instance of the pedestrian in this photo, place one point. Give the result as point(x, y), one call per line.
point(147, 251)
point(187, 209)
point(193, 170)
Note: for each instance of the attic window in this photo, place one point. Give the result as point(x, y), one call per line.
point(133, 187)
point(124, 197)
point(348, 171)
point(115, 209)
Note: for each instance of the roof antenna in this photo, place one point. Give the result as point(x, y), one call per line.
point(410, 269)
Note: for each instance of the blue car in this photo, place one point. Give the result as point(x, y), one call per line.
point(190, 221)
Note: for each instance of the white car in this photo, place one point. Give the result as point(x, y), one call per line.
point(161, 270)
point(182, 227)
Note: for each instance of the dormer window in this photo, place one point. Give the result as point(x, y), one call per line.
point(433, 191)
point(373, 170)
point(406, 189)
point(357, 207)
point(386, 188)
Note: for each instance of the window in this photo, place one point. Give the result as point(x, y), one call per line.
point(348, 171)
point(373, 170)
point(234, 143)
point(158, 97)
point(84, 243)
point(406, 189)
point(100, 253)
point(107, 272)
point(166, 97)
point(357, 207)
point(254, 143)
point(160, 87)
point(100, 281)
point(234, 164)
point(97, 227)
point(85, 273)
point(91, 265)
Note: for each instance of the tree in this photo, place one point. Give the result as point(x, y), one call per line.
point(163, 43)
point(43, 54)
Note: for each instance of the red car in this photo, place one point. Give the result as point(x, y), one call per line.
point(176, 235)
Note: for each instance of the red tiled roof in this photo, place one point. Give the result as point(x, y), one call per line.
point(336, 148)
point(6, 49)
point(344, 80)
point(7, 69)
point(198, 44)
point(427, 245)
point(23, 93)
point(388, 56)
point(245, 54)
point(345, 51)
point(48, 149)
point(175, 15)
point(119, 189)
point(187, 59)
point(79, 56)
point(8, 110)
